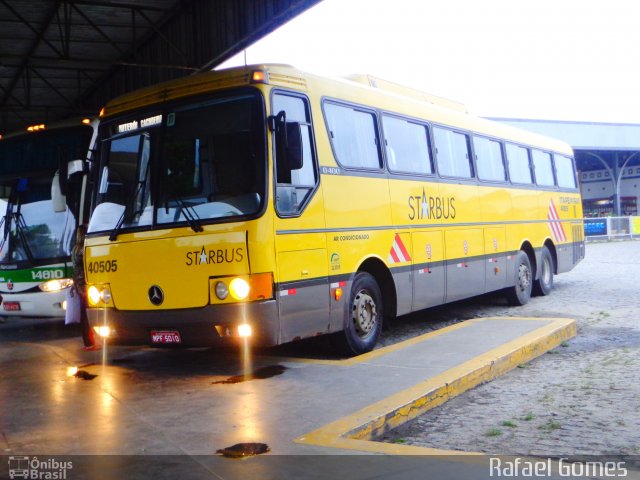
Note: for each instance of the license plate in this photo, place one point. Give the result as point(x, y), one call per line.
point(165, 337)
point(11, 306)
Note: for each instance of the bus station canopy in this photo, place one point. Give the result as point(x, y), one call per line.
point(595, 144)
point(67, 58)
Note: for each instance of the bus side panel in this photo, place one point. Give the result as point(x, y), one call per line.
point(402, 276)
point(569, 254)
point(465, 263)
point(560, 209)
point(356, 208)
point(496, 209)
point(304, 307)
point(496, 259)
point(353, 202)
point(464, 246)
point(418, 203)
point(302, 282)
point(347, 251)
point(428, 269)
point(524, 208)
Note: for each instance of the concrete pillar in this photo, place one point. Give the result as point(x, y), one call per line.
point(617, 211)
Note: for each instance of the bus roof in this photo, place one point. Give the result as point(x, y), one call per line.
point(42, 127)
point(363, 89)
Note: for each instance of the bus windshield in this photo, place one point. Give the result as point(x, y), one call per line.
point(30, 228)
point(190, 164)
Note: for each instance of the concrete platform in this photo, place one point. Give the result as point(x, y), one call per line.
point(176, 402)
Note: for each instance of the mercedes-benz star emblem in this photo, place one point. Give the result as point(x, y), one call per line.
point(156, 295)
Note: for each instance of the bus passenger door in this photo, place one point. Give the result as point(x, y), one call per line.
point(428, 270)
point(301, 249)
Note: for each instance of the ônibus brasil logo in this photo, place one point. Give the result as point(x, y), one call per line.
point(34, 468)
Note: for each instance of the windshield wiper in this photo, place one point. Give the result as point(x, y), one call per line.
point(127, 207)
point(114, 233)
point(190, 214)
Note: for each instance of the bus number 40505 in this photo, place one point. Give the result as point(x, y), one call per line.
point(103, 266)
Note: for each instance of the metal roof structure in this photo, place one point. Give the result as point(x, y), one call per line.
point(596, 145)
point(61, 58)
point(584, 135)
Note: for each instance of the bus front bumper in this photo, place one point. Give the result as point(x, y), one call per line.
point(195, 327)
point(33, 304)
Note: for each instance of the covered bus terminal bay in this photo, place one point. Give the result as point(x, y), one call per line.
point(608, 162)
point(157, 413)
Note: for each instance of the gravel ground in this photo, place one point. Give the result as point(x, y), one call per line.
point(581, 398)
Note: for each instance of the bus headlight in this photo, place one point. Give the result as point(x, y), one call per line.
point(239, 288)
point(55, 285)
point(96, 295)
point(105, 295)
point(222, 292)
point(93, 295)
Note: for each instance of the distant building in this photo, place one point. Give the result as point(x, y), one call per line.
point(607, 158)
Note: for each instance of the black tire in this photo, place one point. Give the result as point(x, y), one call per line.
point(364, 315)
point(520, 293)
point(544, 284)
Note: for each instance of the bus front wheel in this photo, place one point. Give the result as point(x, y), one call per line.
point(520, 293)
point(544, 283)
point(364, 317)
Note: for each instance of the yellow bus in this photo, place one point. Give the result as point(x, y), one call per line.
point(263, 201)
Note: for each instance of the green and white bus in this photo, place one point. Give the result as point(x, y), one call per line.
point(43, 183)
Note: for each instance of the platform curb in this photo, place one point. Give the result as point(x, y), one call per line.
point(357, 431)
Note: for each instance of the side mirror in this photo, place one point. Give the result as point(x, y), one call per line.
point(75, 166)
point(58, 200)
point(294, 150)
point(63, 175)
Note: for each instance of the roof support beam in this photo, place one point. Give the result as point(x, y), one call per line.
point(99, 30)
point(53, 88)
point(36, 41)
point(39, 32)
point(64, 28)
point(10, 95)
point(151, 8)
point(163, 36)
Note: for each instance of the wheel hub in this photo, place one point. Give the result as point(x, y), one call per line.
point(524, 277)
point(364, 314)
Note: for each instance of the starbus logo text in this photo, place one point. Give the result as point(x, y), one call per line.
point(431, 208)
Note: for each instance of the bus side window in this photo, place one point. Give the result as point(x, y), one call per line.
point(294, 186)
point(452, 153)
point(407, 146)
point(519, 165)
point(489, 161)
point(353, 134)
point(543, 168)
point(565, 171)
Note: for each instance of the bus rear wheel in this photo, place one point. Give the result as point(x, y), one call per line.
point(544, 284)
point(364, 317)
point(520, 293)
